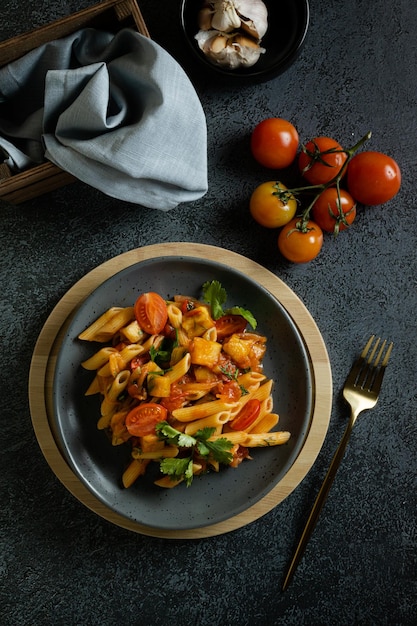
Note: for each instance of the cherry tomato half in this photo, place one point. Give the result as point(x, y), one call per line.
point(141, 420)
point(270, 206)
point(274, 143)
point(300, 246)
point(151, 312)
point(321, 159)
point(228, 324)
point(373, 177)
point(247, 415)
point(331, 215)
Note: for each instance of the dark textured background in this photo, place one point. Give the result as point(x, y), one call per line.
point(62, 564)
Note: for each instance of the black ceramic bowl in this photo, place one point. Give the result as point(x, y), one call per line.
point(287, 28)
point(218, 496)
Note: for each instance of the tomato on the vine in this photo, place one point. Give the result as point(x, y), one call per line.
point(151, 312)
point(373, 177)
point(332, 211)
point(271, 206)
point(300, 243)
point(321, 159)
point(274, 143)
point(141, 420)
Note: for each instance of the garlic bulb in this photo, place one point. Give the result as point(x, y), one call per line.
point(228, 15)
point(231, 31)
point(231, 50)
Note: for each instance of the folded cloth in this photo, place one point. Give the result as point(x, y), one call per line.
point(116, 111)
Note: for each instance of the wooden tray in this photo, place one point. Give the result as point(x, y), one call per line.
point(110, 15)
point(47, 347)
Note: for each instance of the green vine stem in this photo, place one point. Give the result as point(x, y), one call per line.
point(284, 195)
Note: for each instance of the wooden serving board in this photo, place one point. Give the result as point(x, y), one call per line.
point(47, 347)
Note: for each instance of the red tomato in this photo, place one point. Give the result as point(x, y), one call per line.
point(300, 246)
point(321, 160)
point(274, 143)
point(141, 420)
point(270, 206)
point(229, 324)
point(331, 215)
point(247, 415)
point(373, 178)
point(151, 313)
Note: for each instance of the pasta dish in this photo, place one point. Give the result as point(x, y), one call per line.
point(181, 381)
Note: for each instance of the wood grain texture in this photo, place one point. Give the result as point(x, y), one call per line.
point(47, 347)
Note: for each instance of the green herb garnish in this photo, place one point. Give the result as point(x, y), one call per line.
point(199, 444)
point(216, 296)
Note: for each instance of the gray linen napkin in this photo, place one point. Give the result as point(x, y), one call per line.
point(116, 111)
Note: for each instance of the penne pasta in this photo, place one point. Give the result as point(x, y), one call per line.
point(118, 385)
point(235, 436)
point(261, 393)
point(174, 315)
point(178, 397)
point(261, 440)
point(119, 360)
point(108, 324)
point(267, 423)
point(135, 469)
point(265, 409)
point(98, 359)
point(179, 369)
point(211, 421)
point(197, 411)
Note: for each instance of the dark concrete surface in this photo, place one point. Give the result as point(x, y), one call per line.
point(61, 564)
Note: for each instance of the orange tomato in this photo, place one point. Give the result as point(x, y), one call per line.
point(300, 245)
point(271, 205)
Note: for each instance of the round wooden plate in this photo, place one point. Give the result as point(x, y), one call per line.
point(47, 347)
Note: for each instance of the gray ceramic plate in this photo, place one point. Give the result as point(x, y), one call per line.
point(211, 498)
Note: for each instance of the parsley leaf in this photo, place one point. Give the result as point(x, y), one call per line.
point(173, 436)
point(238, 310)
point(182, 468)
point(216, 296)
point(219, 449)
point(178, 469)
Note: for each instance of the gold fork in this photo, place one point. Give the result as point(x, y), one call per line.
point(361, 391)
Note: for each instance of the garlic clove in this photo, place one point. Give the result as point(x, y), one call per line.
point(218, 44)
point(225, 17)
point(232, 50)
point(254, 17)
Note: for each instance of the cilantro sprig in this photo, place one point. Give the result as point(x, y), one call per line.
point(182, 468)
point(215, 295)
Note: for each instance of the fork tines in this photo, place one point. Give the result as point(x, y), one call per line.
point(369, 369)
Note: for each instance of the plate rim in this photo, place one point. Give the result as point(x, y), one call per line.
point(44, 358)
